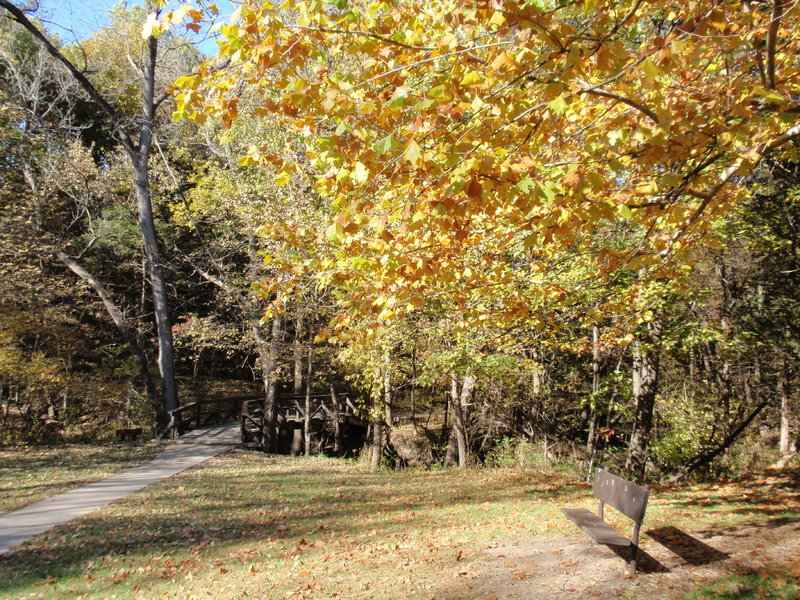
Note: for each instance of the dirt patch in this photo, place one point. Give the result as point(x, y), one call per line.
point(672, 562)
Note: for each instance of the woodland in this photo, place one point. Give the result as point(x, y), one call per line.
point(514, 231)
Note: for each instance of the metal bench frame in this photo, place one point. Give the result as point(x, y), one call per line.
point(626, 497)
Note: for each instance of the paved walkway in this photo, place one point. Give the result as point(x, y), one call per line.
point(196, 447)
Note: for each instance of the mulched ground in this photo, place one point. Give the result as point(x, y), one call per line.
point(672, 562)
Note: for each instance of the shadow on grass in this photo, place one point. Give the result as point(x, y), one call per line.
point(771, 494)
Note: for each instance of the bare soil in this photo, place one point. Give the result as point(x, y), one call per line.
point(672, 562)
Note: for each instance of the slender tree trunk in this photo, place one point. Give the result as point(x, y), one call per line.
point(307, 420)
point(414, 390)
point(387, 394)
point(590, 438)
point(297, 348)
point(784, 389)
point(645, 385)
point(377, 442)
point(337, 424)
point(166, 359)
point(534, 410)
point(377, 419)
point(467, 388)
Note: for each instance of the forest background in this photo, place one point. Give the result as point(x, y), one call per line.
point(515, 231)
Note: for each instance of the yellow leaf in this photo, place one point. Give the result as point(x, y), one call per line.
point(471, 78)
point(413, 153)
point(497, 19)
point(359, 173)
point(283, 178)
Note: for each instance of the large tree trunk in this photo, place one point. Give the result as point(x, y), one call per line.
point(117, 316)
point(459, 403)
point(645, 385)
point(268, 367)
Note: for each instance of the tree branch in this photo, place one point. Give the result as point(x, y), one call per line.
point(124, 137)
point(368, 34)
point(707, 196)
point(632, 103)
point(772, 41)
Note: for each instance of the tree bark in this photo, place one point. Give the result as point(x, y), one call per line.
point(459, 401)
point(166, 355)
point(784, 385)
point(268, 368)
point(414, 390)
point(337, 424)
point(645, 385)
point(387, 394)
point(307, 419)
point(590, 438)
point(377, 442)
point(298, 357)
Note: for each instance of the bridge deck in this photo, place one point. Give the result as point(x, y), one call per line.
point(225, 434)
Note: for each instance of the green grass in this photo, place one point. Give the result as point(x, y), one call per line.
point(28, 475)
point(248, 525)
point(761, 586)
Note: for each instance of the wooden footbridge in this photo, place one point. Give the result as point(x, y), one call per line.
point(323, 422)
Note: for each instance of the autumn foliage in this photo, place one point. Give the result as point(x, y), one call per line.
point(510, 154)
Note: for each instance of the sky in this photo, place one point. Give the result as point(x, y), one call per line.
point(73, 20)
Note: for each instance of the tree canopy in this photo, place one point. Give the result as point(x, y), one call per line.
point(458, 141)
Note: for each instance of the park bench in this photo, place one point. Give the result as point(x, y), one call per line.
point(628, 498)
point(130, 435)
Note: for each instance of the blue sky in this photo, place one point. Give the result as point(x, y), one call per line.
point(75, 19)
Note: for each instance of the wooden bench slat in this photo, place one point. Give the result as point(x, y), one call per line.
point(597, 529)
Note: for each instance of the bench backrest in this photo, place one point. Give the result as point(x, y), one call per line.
point(628, 498)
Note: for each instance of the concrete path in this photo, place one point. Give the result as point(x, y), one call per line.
point(23, 524)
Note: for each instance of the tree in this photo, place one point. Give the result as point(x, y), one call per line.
point(138, 150)
point(441, 128)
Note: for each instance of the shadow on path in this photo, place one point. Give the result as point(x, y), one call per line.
point(689, 548)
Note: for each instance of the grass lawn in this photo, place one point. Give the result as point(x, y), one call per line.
point(248, 525)
point(28, 475)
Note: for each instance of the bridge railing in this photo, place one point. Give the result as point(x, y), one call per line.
point(292, 407)
point(201, 413)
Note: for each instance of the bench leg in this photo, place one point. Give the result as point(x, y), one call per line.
point(634, 548)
